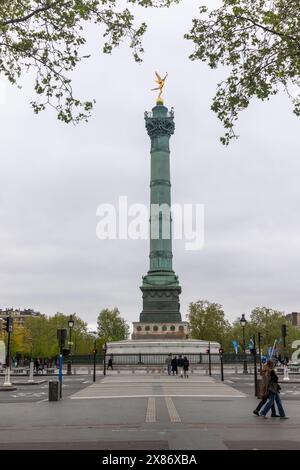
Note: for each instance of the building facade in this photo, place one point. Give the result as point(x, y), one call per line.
point(294, 319)
point(19, 316)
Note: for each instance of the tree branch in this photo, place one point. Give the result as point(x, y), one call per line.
point(30, 15)
point(265, 28)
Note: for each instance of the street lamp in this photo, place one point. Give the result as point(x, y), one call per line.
point(243, 323)
point(104, 358)
point(71, 324)
point(259, 351)
point(95, 335)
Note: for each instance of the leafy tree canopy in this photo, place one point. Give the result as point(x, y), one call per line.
point(267, 322)
point(38, 336)
point(207, 321)
point(46, 37)
point(259, 42)
point(111, 326)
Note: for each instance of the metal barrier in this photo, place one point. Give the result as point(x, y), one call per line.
point(157, 359)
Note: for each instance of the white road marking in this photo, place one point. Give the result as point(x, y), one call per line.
point(174, 416)
point(42, 401)
point(151, 411)
point(29, 395)
point(157, 396)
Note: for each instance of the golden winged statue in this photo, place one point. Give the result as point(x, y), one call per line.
point(161, 83)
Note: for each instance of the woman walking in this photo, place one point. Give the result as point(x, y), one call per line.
point(273, 390)
point(265, 379)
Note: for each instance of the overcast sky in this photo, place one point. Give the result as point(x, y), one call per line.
point(54, 176)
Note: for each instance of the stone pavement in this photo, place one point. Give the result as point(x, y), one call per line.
point(148, 412)
point(157, 386)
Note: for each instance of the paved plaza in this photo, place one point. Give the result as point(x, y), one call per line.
point(146, 411)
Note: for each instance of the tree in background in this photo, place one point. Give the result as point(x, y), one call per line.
point(259, 41)
point(111, 326)
point(20, 341)
point(38, 336)
point(47, 37)
point(207, 321)
point(267, 322)
point(43, 335)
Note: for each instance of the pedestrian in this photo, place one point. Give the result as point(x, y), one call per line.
point(186, 364)
point(36, 365)
point(41, 365)
point(180, 366)
point(174, 366)
point(110, 363)
point(169, 363)
point(273, 390)
point(263, 394)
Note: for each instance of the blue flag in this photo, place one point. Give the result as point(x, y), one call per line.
point(270, 352)
point(235, 346)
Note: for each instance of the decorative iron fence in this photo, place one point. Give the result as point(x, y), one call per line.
point(156, 359)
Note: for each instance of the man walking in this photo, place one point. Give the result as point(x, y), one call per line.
point(110, 363)
point(169, 363)
point(180, 365)
point(174, 365)
point(186, 364)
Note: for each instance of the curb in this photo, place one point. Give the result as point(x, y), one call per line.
point(287, 382)
point(7, 389)
point(37, 382)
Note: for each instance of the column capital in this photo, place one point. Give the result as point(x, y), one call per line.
point(160, 122)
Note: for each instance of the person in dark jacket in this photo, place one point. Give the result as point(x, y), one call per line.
point(273, 389)
point(186, 364)
point(110, 363)
point(180, 365)
point(174, 366)
point(265, 379)
point(36, 365)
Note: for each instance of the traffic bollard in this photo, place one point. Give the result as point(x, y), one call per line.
point(286, 373)
point(31, 368)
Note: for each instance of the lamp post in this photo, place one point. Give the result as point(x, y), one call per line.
point(61, 336)
point(254, 352)
point(31, 363)
point(104, 358)
point(221, 351)
point(243, 323)
point(259, 351)
point(95, 335)
point(209, 358)
point(8, 324)
point(71, 323)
